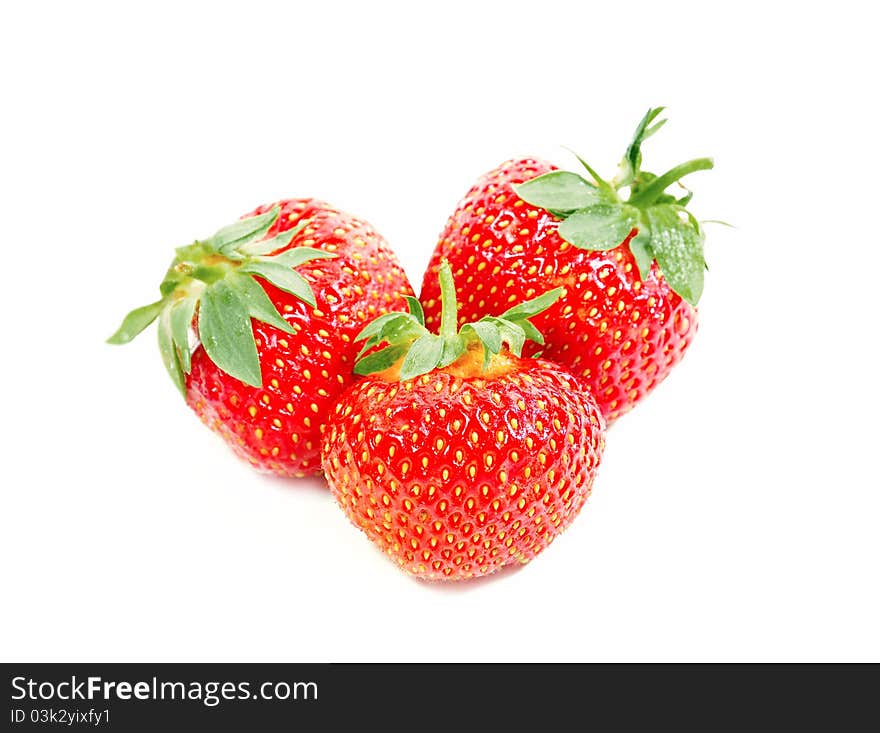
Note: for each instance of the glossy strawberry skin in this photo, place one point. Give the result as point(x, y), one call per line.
point(455, 477)
point(277, 427)
point(621, 334)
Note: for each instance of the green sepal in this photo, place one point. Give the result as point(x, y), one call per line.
point(686, 199)
point(242, 231)
point(678, 249)
point(298, 256)
point(136, 321)
point(380, 360)
point(226, 333)
point(273, 244)
point(601, 183)
point(182, 313)
point(651, 130)
point(599, 227)
point(257, 302)
point(282, 277)
point(169, 353)
point(559, 191)
point(631, 164)
point(374, 327)
point(640, 246)
point(393, 328)
point(422, 357)
point(531, 333)
point(453, 348)
point(511, 333)
point(415, 309)
point(533, 307)
point(263, 246)
point(487, 333)
point(383, 327)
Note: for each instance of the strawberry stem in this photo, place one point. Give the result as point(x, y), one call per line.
point(647, 195)
point(449, 303)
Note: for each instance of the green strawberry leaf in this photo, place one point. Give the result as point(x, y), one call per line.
point(424, 355)
point(489, 336)
point(399, 330)
point(257, 302)
point(267, 246)
point(181, 319)
point(452, 350)
point(509, 332)
point(686, 199)
point(558, 190)
point(599, 227)
point(678, 248)
point(513, 335)
point(136, 321)
point(380, 360)
point(374, 327)
point(226, 333)
point(692, 220)
point(632, 160)
point(395, 328)
point(169, 354)
point(532, 333)
point(601, 183)
point(282, 277)
point(640, 246)
point(242, 231)
point(415, 308)
point(299, 255)
point(488, 333)
point(533, 307)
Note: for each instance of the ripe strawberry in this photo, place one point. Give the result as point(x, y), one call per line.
point(455, 455)
point(277, 299)
point(632, 270)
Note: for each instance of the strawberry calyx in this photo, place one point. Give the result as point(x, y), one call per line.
point(416, 351)
point(216, 275)
point(656, 224)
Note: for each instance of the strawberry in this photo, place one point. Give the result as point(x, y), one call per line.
point(632, 269)
point(276, 299)
point(454, 454)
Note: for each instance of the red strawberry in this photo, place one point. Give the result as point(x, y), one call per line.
point(632, 270)
point(278, 298)
point(454, 455)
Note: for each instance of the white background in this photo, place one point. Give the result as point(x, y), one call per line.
point(736, 513)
